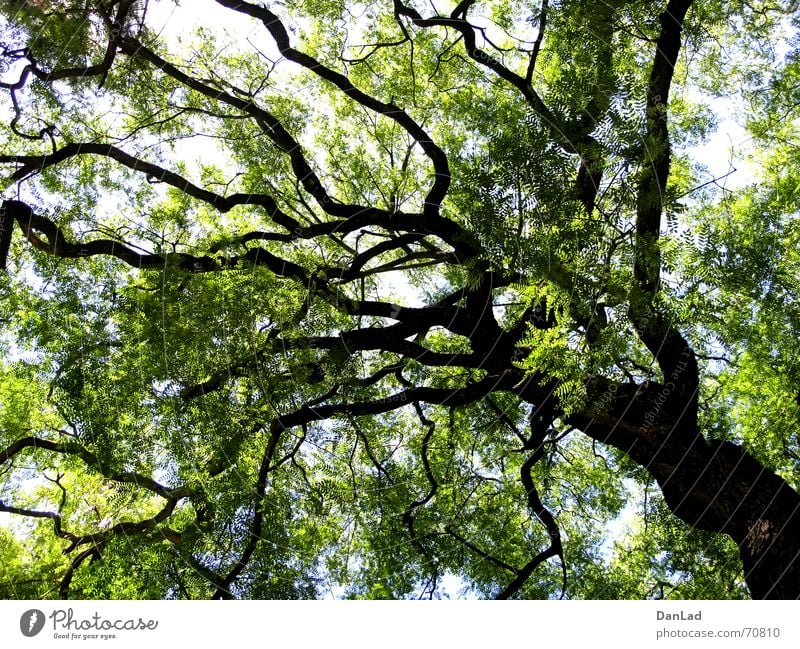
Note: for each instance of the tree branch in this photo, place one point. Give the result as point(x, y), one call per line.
point(441, 167)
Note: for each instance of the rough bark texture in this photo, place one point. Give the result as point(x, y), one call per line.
point(711, 485)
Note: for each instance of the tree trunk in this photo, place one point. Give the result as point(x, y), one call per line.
point(715, 486)
point(721, 488)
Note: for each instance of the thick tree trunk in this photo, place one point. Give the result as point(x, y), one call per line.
point(715, 486)
point(721, 488)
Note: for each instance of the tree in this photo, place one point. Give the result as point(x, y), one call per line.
point(359, 297)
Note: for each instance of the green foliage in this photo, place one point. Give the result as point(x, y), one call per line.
point(164, 388)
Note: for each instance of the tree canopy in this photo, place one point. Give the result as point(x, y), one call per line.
point(399, 299)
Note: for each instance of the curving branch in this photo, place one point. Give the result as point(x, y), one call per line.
point(96, 540)
point(115, 25)
point(70, 448)
point(573, 136)
point(441, 166)
point(32, 513)
point(56, 244)
point(28, 165)
point(508, 381)
point(481, 553)
point(562, 133)
point(257, 526)
point(537, 45)
point(541, 421)
point(99, 540)
point(669, 347)
point(325, 250)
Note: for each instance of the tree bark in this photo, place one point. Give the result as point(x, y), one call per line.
point(711, 485)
